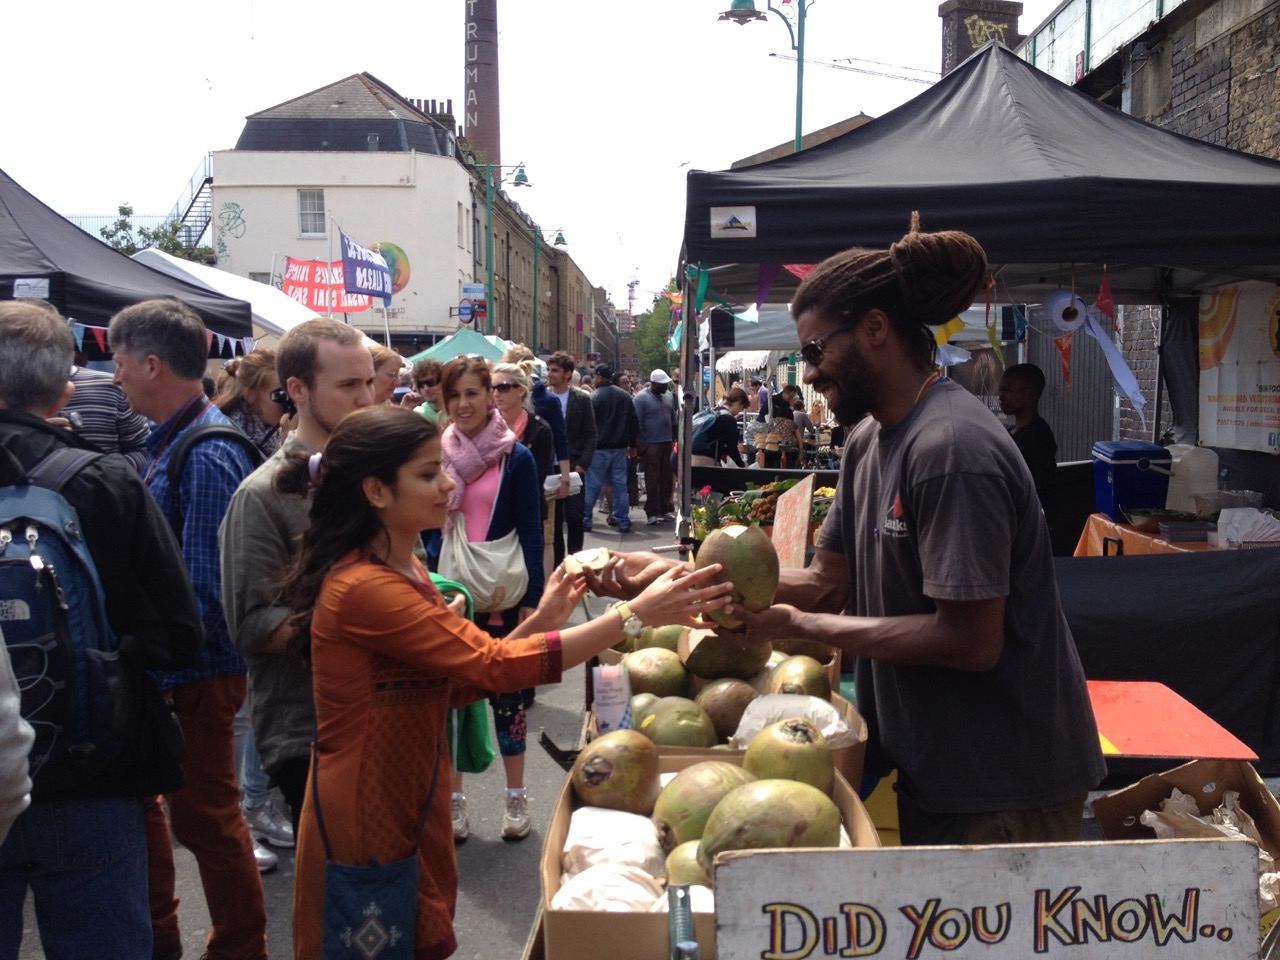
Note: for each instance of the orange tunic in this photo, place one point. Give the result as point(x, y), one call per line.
point(388, 660)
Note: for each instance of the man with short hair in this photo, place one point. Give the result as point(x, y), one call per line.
point(161, 350)
point(656, 416)
point(1021, 387)
point(580, 427)
point(324, 366)
point(425, 395)
point(82, 851)
point(616, 429)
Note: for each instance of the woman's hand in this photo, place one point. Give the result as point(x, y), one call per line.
point(679, 594)
point(559, 597)
point(458, 604)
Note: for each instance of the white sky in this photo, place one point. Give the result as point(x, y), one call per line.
point(607, 102)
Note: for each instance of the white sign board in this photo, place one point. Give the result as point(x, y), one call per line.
point(1239, 348)
point(1165, 899)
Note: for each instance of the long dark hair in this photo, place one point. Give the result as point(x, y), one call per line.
point(370, 442)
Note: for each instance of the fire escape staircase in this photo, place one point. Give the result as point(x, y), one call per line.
point(194, 208)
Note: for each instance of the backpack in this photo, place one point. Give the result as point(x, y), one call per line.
point(53, 614)
point(704, 422)
point(178, 460)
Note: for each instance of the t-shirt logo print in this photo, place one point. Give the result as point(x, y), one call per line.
point(894, 524)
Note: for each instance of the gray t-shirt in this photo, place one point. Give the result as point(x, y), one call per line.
point(942, 506)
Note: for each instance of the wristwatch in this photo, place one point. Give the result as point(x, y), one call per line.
point(631, 624)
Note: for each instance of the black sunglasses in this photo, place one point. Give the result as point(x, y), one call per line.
point(504, 387)
point(429, 382)
point(812, 351)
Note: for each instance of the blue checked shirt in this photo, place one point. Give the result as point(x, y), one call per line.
point(213, 470)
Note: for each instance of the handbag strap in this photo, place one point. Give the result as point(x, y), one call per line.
point(315, 795)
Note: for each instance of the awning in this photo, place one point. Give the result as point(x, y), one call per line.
point(736, 361)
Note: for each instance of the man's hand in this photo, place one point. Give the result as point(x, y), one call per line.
point(777, 622)
point(626, 575)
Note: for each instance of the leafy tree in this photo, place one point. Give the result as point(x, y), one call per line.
point(122, 236)
point(652, 329)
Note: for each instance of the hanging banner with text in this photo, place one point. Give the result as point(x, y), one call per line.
point(364, 271)
point(1163, 899)
point(318, 285)
point(1240, 367)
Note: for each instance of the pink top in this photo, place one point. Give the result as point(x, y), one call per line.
point(477, 503)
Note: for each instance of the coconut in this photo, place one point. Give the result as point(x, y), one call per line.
point(656, 671)
point(792, 749)
point(593, 560)
point(678, 722)
point(769, 814)
point(684, 804)
point(668, 638)
point(683, 866)
point(713, 656)
point(618, 771)
point(640, 705)
point(800, 674)
point(750, 563)
point(725, 700)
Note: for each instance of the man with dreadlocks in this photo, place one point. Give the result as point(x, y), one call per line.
point(966, 670)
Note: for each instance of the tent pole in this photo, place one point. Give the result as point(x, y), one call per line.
point(688, 351)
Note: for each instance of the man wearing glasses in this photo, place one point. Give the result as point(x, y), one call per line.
point(966, 670)
point(425, 395)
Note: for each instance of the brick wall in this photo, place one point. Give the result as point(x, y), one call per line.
point(1138, 338)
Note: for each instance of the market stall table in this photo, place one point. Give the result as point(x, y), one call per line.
point(1103, 537)
point(1141, 718)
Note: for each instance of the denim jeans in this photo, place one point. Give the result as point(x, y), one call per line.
point(254, 785)
point(608, 467)
point(86, 864)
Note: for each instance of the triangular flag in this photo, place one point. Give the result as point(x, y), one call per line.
point(208, 339)
point(765, 277)
point(700, 294)
point(1019, 323)
point(1105, 303)
point(100, 335)
point(954, 325)
point(992, 336)
point(77, 331)
point(1063, 343)
point(801, 270)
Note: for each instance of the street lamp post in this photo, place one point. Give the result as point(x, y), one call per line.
point(743, 12)
point(521, 179)
point(559, 241)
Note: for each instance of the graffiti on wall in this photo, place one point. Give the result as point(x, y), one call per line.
point(230, 221)
point(983, 31)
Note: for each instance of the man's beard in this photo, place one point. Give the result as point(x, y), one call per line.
point(850, 398)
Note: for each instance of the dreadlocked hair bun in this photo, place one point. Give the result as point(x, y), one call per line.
point(924, 278)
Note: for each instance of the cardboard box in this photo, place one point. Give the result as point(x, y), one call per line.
point(586, 935)
point(1207, 780)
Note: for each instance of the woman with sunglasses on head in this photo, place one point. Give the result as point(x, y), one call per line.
point(497, 490)
point(389, 656)
point(244, 393)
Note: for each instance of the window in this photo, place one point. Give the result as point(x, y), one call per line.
point(263, 277)
point(462, 227)
point(311, 219)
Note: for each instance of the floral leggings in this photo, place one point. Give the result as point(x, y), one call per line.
point(508, 708)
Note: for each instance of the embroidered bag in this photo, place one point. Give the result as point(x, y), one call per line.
point(370, 912)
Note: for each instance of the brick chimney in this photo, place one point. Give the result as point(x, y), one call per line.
point(968, 24)
point(480, 114)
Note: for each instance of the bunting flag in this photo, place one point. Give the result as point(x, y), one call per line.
point(239, 345)
point(1105, 303)
point(208, 338)
point(993, 336)
point(77, 331)
point(701, 293)
point(800, 270)
point(1019, 323)
point(749, 315)
point(765, 277)
point(100, 335)
point(1126, 381)
point(945, 332)
point(1063, 343)
point(673, 341)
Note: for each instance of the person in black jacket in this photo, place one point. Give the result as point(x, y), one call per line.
point(722, 440)
point(580, 424)
point(616, 430)
point(83, 852)
point(1019, 395)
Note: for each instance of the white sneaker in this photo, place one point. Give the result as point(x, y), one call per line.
point(461, 825)
point(516, 822)
point(652, 520)
point(269, 825)
point(266, 860)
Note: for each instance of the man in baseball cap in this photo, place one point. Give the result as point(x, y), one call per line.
point(656, 415)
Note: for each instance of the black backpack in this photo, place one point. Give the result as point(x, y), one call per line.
point(182, 448)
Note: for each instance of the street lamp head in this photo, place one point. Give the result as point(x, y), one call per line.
point(742, 12)
point(560, 241)
point(521, 179)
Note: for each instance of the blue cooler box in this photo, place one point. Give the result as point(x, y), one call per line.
point(1129, 473)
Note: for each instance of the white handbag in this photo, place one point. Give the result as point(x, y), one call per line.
point(492, 570)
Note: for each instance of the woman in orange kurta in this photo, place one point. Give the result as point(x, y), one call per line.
point(389, 656)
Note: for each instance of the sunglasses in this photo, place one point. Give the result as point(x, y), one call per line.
point(812, 351)
point(430, 382)
point(503, 387)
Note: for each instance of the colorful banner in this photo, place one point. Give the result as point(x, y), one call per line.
point(364, 271)
point(319, 285)
point(1240, 367)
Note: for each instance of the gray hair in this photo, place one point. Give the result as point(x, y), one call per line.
point(36, 353)
point(519, 375)
point(167, 328)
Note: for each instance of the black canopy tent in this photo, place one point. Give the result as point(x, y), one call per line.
point(87, 280)
point(1051, 182)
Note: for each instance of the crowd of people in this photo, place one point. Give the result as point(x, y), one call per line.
point(268, 564)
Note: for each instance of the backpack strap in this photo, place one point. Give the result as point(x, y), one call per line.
point(58, 468)
point(181, 449)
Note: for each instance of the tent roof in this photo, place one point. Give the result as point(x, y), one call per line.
point(88, 280)
point(1049, 180)
point(464, 341)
